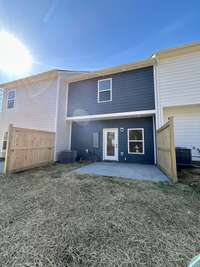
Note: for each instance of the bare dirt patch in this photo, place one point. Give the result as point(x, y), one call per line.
point(51, 217)
point(191, 177)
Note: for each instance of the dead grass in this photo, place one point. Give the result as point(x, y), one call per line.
point(190, 177)
point(50, 217)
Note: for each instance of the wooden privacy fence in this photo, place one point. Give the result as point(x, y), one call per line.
point(166, 153)
point(28, 148)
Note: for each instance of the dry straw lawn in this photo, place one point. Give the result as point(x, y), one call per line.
point(49, 217)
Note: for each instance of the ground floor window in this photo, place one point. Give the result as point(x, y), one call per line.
point(5, 140)
point(136, 141)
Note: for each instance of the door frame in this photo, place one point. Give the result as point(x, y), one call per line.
point(116, 157)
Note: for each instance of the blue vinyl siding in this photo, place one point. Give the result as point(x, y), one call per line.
point(131, 91)
point(82, 139)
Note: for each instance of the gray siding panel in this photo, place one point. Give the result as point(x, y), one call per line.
point(82, 139)
point(131, 91)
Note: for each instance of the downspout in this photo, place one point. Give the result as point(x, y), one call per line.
point(70, 122)
point(158, 106)
point(56, 114)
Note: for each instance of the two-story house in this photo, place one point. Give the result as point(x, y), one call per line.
point(177, 87)
point(112, 114)
point(36, 102)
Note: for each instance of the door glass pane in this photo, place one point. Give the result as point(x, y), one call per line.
point(110, 144)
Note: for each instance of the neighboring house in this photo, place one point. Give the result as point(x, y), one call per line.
point(177, 75)
point(37, 102)
point(112, 114)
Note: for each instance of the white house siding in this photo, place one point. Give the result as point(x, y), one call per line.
point(177, 82)
point(187, 127)
point(63, 127)
point(35, 107)
point(40, 105)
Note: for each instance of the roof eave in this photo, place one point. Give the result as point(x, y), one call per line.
point(52, 74)
point(178, 51)
point(109, 71)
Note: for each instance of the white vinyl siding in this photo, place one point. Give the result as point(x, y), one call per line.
point(63, 127)
point(178, 80)
point(1, 99)
point(40, 105)
point(187, 127)
point(35, 106)
point(178, 94)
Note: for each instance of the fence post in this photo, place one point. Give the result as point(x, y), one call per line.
point(173, 150)
point(7, 158)
point(166, 152)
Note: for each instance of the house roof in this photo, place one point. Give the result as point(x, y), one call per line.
point(179, 50)
point(51, 74)
point(184, 49)
point(113, 70)
point(84, 75)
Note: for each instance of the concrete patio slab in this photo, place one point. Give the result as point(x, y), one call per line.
point(124, 170)
point(1, 166)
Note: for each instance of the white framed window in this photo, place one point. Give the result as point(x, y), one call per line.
point(104, 90)
point(136, 141)
point(5, 141)
point(11, 96)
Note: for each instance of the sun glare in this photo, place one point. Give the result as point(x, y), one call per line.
point(15, 59)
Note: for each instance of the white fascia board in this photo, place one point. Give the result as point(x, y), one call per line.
point(109, 116)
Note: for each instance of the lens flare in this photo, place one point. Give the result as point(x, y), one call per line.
point(15, 59)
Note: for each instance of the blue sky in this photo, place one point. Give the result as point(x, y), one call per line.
point(91, 34)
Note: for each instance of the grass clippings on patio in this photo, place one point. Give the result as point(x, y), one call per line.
point(50, 217)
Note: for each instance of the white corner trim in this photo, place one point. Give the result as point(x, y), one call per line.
point(70, 135)
point(155, 92)
point(67, 93)
point(56, 113)
point(158, 107)
point(154, 140)
point(130, 114)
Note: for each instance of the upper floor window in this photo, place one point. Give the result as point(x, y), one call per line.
point(105, 90)
point(11, 99)
point(136, 141)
